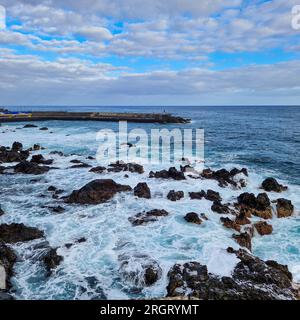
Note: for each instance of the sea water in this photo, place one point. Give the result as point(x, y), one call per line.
point(266, 140)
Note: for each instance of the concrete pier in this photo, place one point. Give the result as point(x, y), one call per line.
point(95, 116)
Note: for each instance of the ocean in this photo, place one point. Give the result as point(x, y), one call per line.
point(266, 140)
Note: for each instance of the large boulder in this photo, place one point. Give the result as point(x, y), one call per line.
point(271, 184)
point(142, 191)
point(120, 166)
point(220, 208)
point(175, 195)
point(96, 192)
point(17, 146)
point(16, 154)
point(243, 239)
point(39, 159)
point(252, 279)
point(13, 233)
point(98, 169)
point(284, 208)
point(172, 173)
point(263, 228)
point(193, 217)
point(51, 260)
point(259, 206)
point(139, 270)
point(30, 168)
point(147, 217)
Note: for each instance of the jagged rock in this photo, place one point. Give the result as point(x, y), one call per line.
point(284, 208)
point(243, 239)
point(252, 279)
point(146, 217)
point(139, 270)
point(81, 240)
point(98, 169)
point(220, 208)
point(259, 206)
point(7, 260)
point(17, 146)
point(29, 125)
point(242, 219)
point(230, 224)
point(96, 192)
point(172, 173)
point(193, 217)
point(81, 165)
point(30, 168)
point(223, 176)
point(52, 260)
point(52, 189)
point(13, 155)
point(13, 233)
point(76, 161)
point(175, 195)
point(142, 191)
point(119, 166)
point(39, 159)
point(1, 212)
point(197, 195)
point(263, 228)
point(213, 196)
point(271, 184)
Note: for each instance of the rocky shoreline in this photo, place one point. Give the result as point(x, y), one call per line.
point(248, 216)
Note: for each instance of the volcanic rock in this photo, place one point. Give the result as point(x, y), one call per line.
point(13, 233)
point(175, 195)
point(142, 191)
point(284, 208)
point(193, 217)
point(271, 184)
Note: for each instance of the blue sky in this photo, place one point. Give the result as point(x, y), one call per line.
point(138, 52)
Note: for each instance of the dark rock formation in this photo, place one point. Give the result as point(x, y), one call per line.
point(252, 279)
point(17, 146)
point(175, 195)
point(263, 228)
point(30, 168)
point(220, 208)
point(52, 260)
point(119, 166)
point(96, 191)
point(44, 129)
point(80, 165)
point(142, 191)
point(16, 154)
point(230, 224)
point(59, 153)
point(271, 184)
point(147, 217)
point(223, 176)
point(193, 217)
point(29, 125)
point(7, 260)
point(1, 212)
point(98, 169)
point(284, 208)
point(213, 196)
point(139, 270)
point(13, 233)
point(197, 195)
point(259, 206)
point(243, 239)
point(39, 159)
point(172, 173)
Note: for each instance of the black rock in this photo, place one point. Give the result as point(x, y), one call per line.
point(142, 191)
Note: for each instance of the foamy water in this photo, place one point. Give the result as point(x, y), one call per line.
point(106, 227)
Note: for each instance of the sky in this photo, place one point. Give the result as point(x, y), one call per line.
point(149, 52)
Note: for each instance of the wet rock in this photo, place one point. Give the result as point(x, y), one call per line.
point(39, 159)
point(96, 192)
point(259, 206)
point(271, 184)
point(230, 224)
point(243, 239)
point(193, 217)
point(75, 161)
point(172, 173)
point(120, 166)
point(1, 212)
point(29, 125)
point(139, 270)
point(263, 228)
point(44, 129)
point(52, 260)
point(13, 233)
point(197, 195)
point(91, 158)
point(30, 168)
point(175, 195)
point(213, 196)
point(284, 208)
point(13, 155)
point(203, 216)
point(80, 240)
point(147, 217)
point(59, 153)
point(220, 208)
point(7, 260)
point(223, 176)
point(57, 209)
point(142, 191)
point(5, 296)
point(98, 169)
point(17, 146)
point(242, 219)
point(52, 189)
point(252, 279)
point(81, 165)
point(36, 147)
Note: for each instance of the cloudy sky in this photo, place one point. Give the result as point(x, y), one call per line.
point(149, 52)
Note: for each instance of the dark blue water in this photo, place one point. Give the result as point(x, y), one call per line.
point(265, 138)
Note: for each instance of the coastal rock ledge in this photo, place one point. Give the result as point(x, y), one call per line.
point(252, 279)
